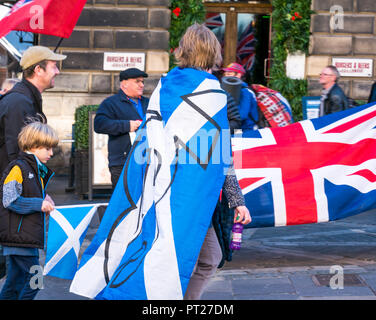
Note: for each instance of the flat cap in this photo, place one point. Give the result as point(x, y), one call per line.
point(37, 54)
point(132, 73)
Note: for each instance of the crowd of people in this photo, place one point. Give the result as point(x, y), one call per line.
point(26, 144)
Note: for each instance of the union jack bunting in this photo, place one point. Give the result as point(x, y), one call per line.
point(310, 171)
point(245, 50)
point(213, 20)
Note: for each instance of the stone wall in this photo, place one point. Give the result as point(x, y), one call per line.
point(104, 26)
point(356, 38)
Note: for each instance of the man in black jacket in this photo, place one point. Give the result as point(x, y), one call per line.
point(119, 115)
point(24, 101)
point(372, 94)
point(333, 98)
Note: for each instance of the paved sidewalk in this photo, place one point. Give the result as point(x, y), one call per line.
point(296, 283)
point(261, 284)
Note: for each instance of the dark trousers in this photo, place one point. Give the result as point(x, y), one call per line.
point(17, 284)
point(115, 175)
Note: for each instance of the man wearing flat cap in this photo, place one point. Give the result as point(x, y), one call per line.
point(119, 115)
point(24, 101)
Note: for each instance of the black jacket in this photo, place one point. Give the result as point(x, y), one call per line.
point(112, 118)
point(335, 101)
point(24, 230)
point(233, 114)
point(18, 105)
point(372, 94)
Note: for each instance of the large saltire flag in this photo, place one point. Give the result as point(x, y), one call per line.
point(52, 17)
point(66, 232)
point(311, 171)
point(152, 231)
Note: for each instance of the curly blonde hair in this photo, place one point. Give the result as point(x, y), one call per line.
point(199, 48)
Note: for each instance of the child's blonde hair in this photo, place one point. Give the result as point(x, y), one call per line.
point(37, 135)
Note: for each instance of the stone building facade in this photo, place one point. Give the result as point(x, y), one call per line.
point(104, 26)
point(352, 35)
point(143, 26)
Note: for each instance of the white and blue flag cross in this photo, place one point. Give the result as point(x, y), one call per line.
point(66, 232)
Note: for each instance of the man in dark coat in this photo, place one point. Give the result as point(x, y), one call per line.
point(119, 115)
point(333, 99)
point(372, 94)
point(24, 101)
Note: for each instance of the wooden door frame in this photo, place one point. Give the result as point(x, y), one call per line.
point(231, 10)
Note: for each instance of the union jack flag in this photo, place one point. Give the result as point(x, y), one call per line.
point(245, 50)
point(311, 171)
point(213, 20)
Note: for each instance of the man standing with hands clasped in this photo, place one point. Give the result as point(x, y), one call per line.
point(119, 115)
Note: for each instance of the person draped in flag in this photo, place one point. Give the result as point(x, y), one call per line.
point(24, 207)
point(155, 225)
point(199, 49)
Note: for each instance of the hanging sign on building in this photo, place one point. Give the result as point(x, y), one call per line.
point(117, 61)
point(352, 67)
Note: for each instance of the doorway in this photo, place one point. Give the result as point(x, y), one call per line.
point(244, 30)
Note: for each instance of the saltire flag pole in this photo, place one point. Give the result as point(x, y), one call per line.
point(66, 232)
point(311, 171)
point(151, 234)
point(52, 17)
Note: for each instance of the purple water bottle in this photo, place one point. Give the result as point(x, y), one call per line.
point(236, 239)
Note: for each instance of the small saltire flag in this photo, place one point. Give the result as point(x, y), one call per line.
point(151, 234)
point(311, 171)
point(52, 17)
point(66, 232)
